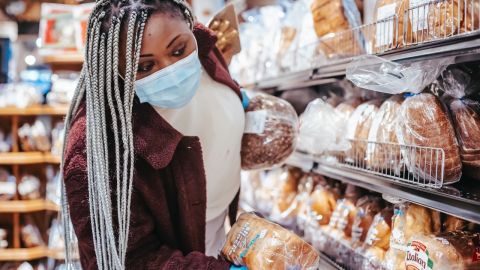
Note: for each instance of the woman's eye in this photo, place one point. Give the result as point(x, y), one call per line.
point(145, 67)
point(179, 52)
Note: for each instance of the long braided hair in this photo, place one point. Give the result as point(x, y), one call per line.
point(102, 91)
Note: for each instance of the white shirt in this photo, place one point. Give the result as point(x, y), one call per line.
point(216, 116)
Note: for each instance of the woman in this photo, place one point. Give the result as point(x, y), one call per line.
point(152, 156)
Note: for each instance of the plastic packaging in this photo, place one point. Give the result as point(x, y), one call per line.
point(409, 220)
point(328, 26)
point(258, 244)
point(423, 121)
point(54, 188)
point(447, 18)
point(389, 15)
point(5, 141)
point(383, 156)
point(30, 234)
point(374, 73)
point(322, 129)
point(377, 241)
point(36, 137)
point(271, 129)
point(358, 127)
point(368, 206)
point(29, 188)
point(266, 193)
point(456, 250)
point(286, 205)
point(55, 236)
point(8, 186)
point(3, 238)
point(465, 114)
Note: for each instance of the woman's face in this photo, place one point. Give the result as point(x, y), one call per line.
point(166, 40)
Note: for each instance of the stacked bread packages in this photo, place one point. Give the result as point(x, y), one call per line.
point(389, 15)
point(384, 155)
point(409, 220)
point(358, 128)
point(377, 241)
point(447, 18)
point(332, 29)
point(259, 244)
point(423, 121)
point(465, 113)
point(451, 250)
point(271, 128)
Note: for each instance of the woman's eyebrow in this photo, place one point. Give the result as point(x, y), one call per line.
point(173, 40)
point(146, 55)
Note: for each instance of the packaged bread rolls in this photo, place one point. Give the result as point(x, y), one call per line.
point(423, 121)
point(456, 250)
point(367, 207)
point(323, 202)
point(341, 221)
point(286, 205)
point(271, 128)
point(258, 244)
point(389, 15)
point(358, 127)
point(382, 156)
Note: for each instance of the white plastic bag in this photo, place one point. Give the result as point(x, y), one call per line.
point(375, 73)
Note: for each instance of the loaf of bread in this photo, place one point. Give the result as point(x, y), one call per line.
point(287, 204)
point(409, 220)
point(389, 15)
point(358, 127)
point(343, 216)
point(452, 223)
point(367, 207)
point(347, 107)
point(382, 156)
point(447, 18)
point(259, 244)
point(466, 118)
point(423, 121)
point(323, 202)
point(451, 250)
point(332, 29)
point(271, 128)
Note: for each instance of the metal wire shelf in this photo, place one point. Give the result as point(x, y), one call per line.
point(414, 165)
point(425, 22)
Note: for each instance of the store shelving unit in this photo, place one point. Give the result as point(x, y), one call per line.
point(16, 160)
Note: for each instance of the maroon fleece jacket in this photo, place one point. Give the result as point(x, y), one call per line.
point(168, 207)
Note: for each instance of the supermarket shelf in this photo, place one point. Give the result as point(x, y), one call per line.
point(28, 254)
point(464, 48)
point(35, 110)
point(64, 59)
point(28, 206)
point(23, 254)
point(461, 200)
point(28, 158)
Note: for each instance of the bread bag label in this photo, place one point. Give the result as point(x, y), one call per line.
point(417, 257)
point(418, 13)
point(255, 122)
point(384, 30)
point(357, 229)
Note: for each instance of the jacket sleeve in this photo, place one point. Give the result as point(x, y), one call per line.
point(143, 257)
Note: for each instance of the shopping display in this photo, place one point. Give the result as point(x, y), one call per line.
point(259, 244)
point(271, 128)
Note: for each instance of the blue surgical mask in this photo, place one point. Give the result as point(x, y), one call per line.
point(172, 87)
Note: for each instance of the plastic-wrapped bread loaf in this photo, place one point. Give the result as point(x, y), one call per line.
point(327, 26)
point(423, 121)
point(389, 33)
point(383, 156)
point(347, 107)
point(377, 241)
point(323, 202)
point(452, 250)
point(447, 18)
point(358, 127)
point(368, 206)
point(258, 244)
point(271, 128)
point(409, 220)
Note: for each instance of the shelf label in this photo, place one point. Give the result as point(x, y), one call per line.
point(384, 30)
point(418, 14)
point(255, 122)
